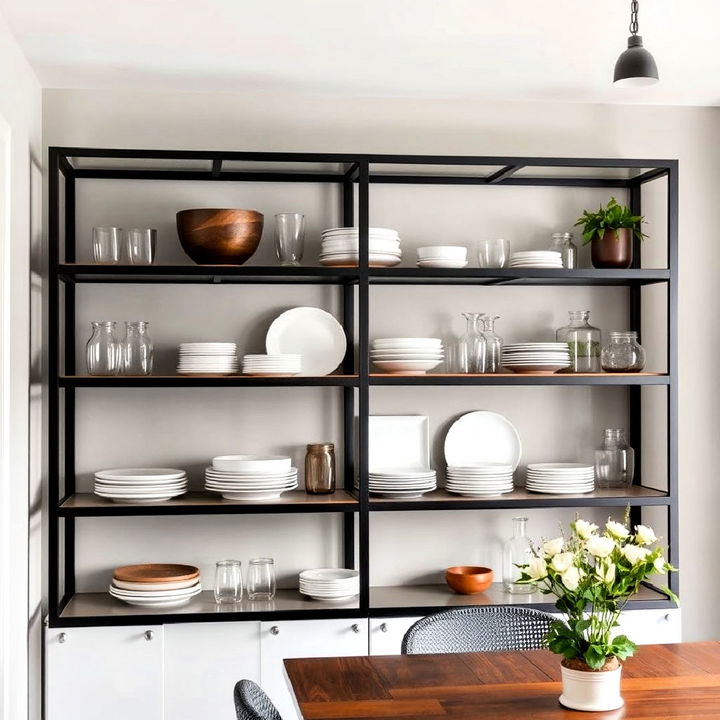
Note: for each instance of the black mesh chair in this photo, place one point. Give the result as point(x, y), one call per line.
point(251, 703)
point(478, 629)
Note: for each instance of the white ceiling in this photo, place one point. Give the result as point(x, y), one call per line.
point(495, 49)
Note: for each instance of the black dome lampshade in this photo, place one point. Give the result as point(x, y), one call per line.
point(636, 66)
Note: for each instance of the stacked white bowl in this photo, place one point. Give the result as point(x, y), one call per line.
point(409, 356)
point(282, 365)
point(140, 485)
point(529, 358)
point(442, 256)
point(330, 584)
point(251, 477)
point(201, 358)
point(560, 478)
point(156, 586)
point(340, 247)
point(536, 259)
point(480, 480)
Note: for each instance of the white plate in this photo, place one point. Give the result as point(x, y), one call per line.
point(190, 590)
point(251, 463)
point(419, 367)
point(354, 230)
point(398, 443)
point(139, 491)
point(404, 342)
point(481, 437)
point(374, 260)
point(131, 484)
point(479, 493)
point(140, 500)
point(271, 474)
point(252, 497)
point(329, 574)
point(402, 472)
point(178, 585)
point(444, 264)
point(401, 495)
point(137, 474)
point(312, 333)
point(407, 358)
point(159, 604)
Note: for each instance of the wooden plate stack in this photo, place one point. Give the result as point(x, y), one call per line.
point(156, 585)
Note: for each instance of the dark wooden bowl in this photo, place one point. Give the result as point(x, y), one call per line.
point(214, 236)
point(469, 580)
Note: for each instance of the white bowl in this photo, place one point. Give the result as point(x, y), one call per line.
point(419, 367)
point(407, 343)
point(264, 463)
point(442, 252)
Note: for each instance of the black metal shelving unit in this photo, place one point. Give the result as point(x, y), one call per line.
point(355, 174)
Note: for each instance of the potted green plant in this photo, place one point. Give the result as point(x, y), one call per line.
point(593, 574)
point(611, 230)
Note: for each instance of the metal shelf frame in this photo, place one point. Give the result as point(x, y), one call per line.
point(355, 174)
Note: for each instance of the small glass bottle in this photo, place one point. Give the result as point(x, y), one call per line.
point(615, 461)
point(137, 349)
point(623, 353)
point(517, 551)
point(562, 243)
point(584, 342)
point(102, 352)
point(472, 345)
point(493, 344)
point(320, 469)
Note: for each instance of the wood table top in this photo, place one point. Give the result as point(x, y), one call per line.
point(661, 682)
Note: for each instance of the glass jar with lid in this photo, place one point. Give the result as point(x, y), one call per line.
point(562, 242)
point(320, 469)
point(614, 461)
point(623, 353)
point(584, 342)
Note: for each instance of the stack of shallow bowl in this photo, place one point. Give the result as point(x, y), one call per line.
point(330, 584)
point(480, 480)
point(407, 356)
point(278, 365)
point(536, 358)
point(536, 259)
point(251, 477)
point(341, 247)
point(560, 478)
point(140, 485)
point(156, 585)
point(442, 256)
point(207, 358)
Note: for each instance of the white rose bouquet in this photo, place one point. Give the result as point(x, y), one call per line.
point(594, 574)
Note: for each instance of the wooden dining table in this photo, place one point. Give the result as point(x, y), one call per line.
point(660, 682)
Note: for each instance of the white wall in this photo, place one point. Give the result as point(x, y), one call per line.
point(115, 119)
point(20, 592)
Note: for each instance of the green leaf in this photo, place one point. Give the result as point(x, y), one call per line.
point(595, 656)
point(622, 647)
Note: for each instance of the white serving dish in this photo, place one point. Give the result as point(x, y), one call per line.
point(398, 442)
point(252, 463)
point(480, 437)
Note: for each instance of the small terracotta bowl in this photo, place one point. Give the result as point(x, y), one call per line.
point(469, 579)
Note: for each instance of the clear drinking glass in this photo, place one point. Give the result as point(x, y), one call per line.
point(517, 551)
point(562, 243)
point(623, 353)
point(137, 349)
point(583, 340)
point(289, 238)
point(141, 244)
point(261, 579)
point(107, 245)
point(493, 344)
point(615, 461)
point(102, 352)
point(493, 253)
point(228, 581)
point(472, 345)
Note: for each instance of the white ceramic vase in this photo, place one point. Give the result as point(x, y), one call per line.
point(591, 691)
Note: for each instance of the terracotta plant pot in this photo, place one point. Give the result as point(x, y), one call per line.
point(591, 690)
point(613, 250)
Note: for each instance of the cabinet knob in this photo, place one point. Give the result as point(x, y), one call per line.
point(149, 635)
point(355, 628)
point(383, 627)
point(668, 617)
point(274, 630)
point(62, 637)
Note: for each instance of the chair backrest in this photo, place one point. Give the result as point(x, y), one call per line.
point(251, 703)
point(478, 629)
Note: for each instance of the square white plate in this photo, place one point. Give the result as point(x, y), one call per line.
point(398, 442)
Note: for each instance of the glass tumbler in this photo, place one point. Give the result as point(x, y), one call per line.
point(261, 579)
point(102, 352)
point(493, 253)
point(137, 349)
point(289, 238)
point(615, 461)
point(141, 245)
point(228, 582)
point(107, 246)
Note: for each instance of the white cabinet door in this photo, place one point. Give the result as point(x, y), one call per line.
point(109, 673)
point(203, 661)
point(649, 627)
point(304, 638)
point(386, 634)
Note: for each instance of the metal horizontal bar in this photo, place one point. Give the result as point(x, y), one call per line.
point(205, 175)
point(502, 174)
point(482, 180)
point(188, 381)
point(649, 175)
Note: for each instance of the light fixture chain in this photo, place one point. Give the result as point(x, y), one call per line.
point(634, 7)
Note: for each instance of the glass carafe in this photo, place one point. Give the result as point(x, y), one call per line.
point(137, 349)
point(584, 342)
point(102, 352)
point(472, 345)
point(623, 353)
point(516, 552)
point(615, 461)
point(562, 243)
point(493, 344)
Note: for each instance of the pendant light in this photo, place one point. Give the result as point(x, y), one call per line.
point(636, 66)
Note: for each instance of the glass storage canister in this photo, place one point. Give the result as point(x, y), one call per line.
point(493, 344)
point(517, 551)
point(472, 345)
point(137, 349)
point(102, 352)
point(615, 461)
point(623, 353)
point(320, 469)
point(261, 579)
point(584, 342)
point(562, 243)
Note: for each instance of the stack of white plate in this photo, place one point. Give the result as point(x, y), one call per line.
point(402, 483)
point(251, 477)
point(140, 485)
point(479, 480)
point(330, 584)
point(200, 358)
point(340, 247)
point(560, 478)
point(442, 256)
point(532, 358)
point(272, 364)
point(156, 586)
point(536, 259)
point(410, 356)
